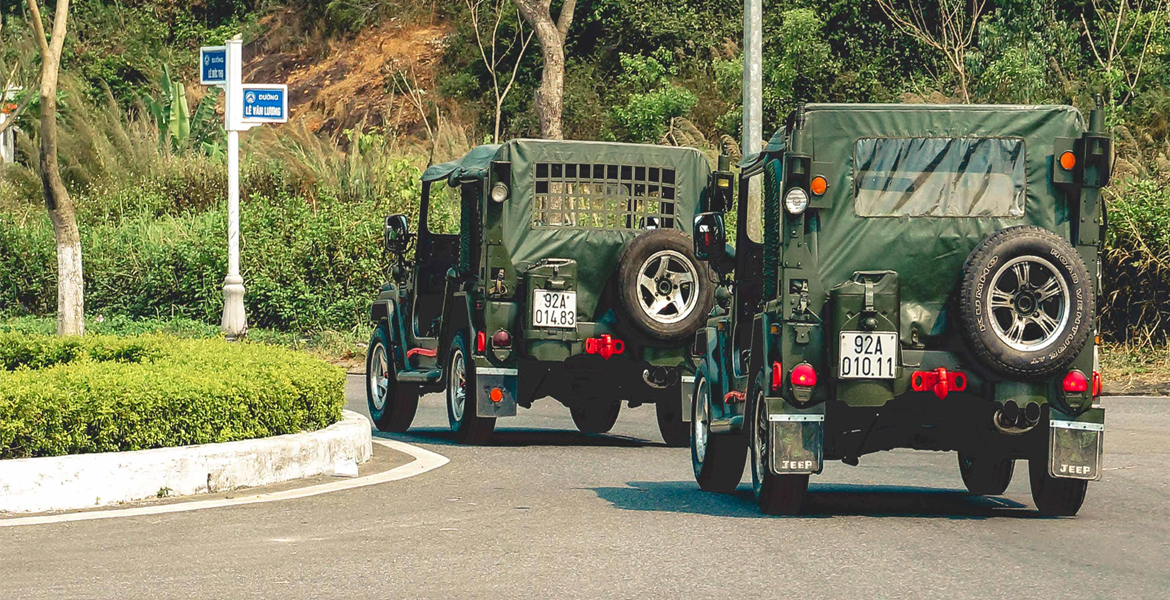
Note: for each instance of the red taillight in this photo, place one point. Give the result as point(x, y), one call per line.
point(1076, 382)
point(804, 375)
point(777, 376)
point(480, 342)
point(501, 339)
point(1097, 384)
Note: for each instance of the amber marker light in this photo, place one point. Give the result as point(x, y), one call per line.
point(819, 185)
point(1068, 160)
point(497, 395)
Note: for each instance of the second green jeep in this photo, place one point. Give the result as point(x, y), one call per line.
point(926, 278)
point(571, 274)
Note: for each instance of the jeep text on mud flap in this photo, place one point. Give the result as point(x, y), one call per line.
point(571, 275)
point(927, 279)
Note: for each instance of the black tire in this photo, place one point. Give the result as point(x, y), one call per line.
point(676, 432)
point(469, 428)
point(596, 417)
point(392, 405)
point(717, 460)
point(985, 476)
point(1055, 497)
point(993, 315)
point(686, 303)
point(775, 494)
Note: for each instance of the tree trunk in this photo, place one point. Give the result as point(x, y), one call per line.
point(551, 34)
point(70, 283)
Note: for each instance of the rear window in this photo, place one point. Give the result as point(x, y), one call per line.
point(604, 196)
point(939, 177)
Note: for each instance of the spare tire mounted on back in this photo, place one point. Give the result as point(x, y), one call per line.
point(1027, 303)
point(664, 292)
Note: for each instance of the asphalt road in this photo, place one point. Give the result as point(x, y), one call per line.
point(546, 512)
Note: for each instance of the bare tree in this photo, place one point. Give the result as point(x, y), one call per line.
point(70, 284)
point(493, 63)
point(550, 96)
point(950, 31)
point(417, 97)
point(1115, 37)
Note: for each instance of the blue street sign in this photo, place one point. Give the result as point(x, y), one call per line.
point(265, 103)
point(213, 65)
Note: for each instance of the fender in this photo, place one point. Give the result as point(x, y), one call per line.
point(457, 316)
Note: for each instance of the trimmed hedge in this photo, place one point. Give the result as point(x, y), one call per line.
point(104, 394)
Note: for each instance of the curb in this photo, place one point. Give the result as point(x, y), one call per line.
point(92, 480)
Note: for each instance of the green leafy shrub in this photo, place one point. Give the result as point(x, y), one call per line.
point(652, 100)
point(1136, 267)
point(105, 394)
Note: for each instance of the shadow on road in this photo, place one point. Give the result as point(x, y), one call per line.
point(823, 500)
point(515, 438)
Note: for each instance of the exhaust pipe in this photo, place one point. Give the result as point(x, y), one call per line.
point(1032, 414)
point(660, 377)
point(1008, 415)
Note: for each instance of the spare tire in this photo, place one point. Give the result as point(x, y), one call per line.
point(664, 292)
point(1026, 304)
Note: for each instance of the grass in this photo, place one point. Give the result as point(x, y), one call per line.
point(341, 348)
point(1135, 369)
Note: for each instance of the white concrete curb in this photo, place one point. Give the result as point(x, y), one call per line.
point(88, 480)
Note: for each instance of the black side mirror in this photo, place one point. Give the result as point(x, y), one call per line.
point(710, 237)
point(397, 234)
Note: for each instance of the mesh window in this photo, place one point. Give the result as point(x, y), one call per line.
point(597, 196)
point(939, 177)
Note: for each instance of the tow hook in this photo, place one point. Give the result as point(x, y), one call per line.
point(606, 346)
point(939, 381)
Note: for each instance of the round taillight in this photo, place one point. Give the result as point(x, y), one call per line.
point(499, 192)
point(804, 375)
point(501, 339)
point(796, 201)
point(1068, 160)
point(1076, 382)
point(819, 185)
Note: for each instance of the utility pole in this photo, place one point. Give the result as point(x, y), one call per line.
point(753, 102)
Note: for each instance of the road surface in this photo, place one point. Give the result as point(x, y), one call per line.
point(545, 512)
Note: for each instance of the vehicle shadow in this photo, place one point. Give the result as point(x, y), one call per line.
point(519, 438)
point(823, 501)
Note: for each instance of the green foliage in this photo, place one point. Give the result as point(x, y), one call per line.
point(179, 127)
point(105, 394)
point(1137, 262)
point(651, 99)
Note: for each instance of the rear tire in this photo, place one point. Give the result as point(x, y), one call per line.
point(1055, 497)
point(595, 418)
point(986, 476)
point(717, 460)
point(775, 494)
point(392, 405)
point(676, 432)
point(469, 428)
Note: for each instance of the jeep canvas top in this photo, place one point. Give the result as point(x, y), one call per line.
point(572, 275)
point(926, 278)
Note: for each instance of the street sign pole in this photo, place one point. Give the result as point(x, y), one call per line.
point(245, 106)
point(235, 322)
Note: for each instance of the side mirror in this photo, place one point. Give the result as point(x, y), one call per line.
point(710, 237)
point(397, 234)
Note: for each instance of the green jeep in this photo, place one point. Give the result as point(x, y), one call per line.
point(925, 277)
point(571, 275)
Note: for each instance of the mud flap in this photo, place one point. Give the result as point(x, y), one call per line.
point(1074, 449)
point(495, 392)
point(687, 384)
point(797, 443)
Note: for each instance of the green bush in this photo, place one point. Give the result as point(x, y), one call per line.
point(106, 394)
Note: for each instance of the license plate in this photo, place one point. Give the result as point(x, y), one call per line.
point(554, 309)
point(868, 355)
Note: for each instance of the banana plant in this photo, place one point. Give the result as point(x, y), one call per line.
point(179, 127)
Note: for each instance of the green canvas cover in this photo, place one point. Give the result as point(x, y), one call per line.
point(927, 251)
point(473, 164)
point(586, 227)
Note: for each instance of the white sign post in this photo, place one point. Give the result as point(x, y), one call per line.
point(245, 106)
